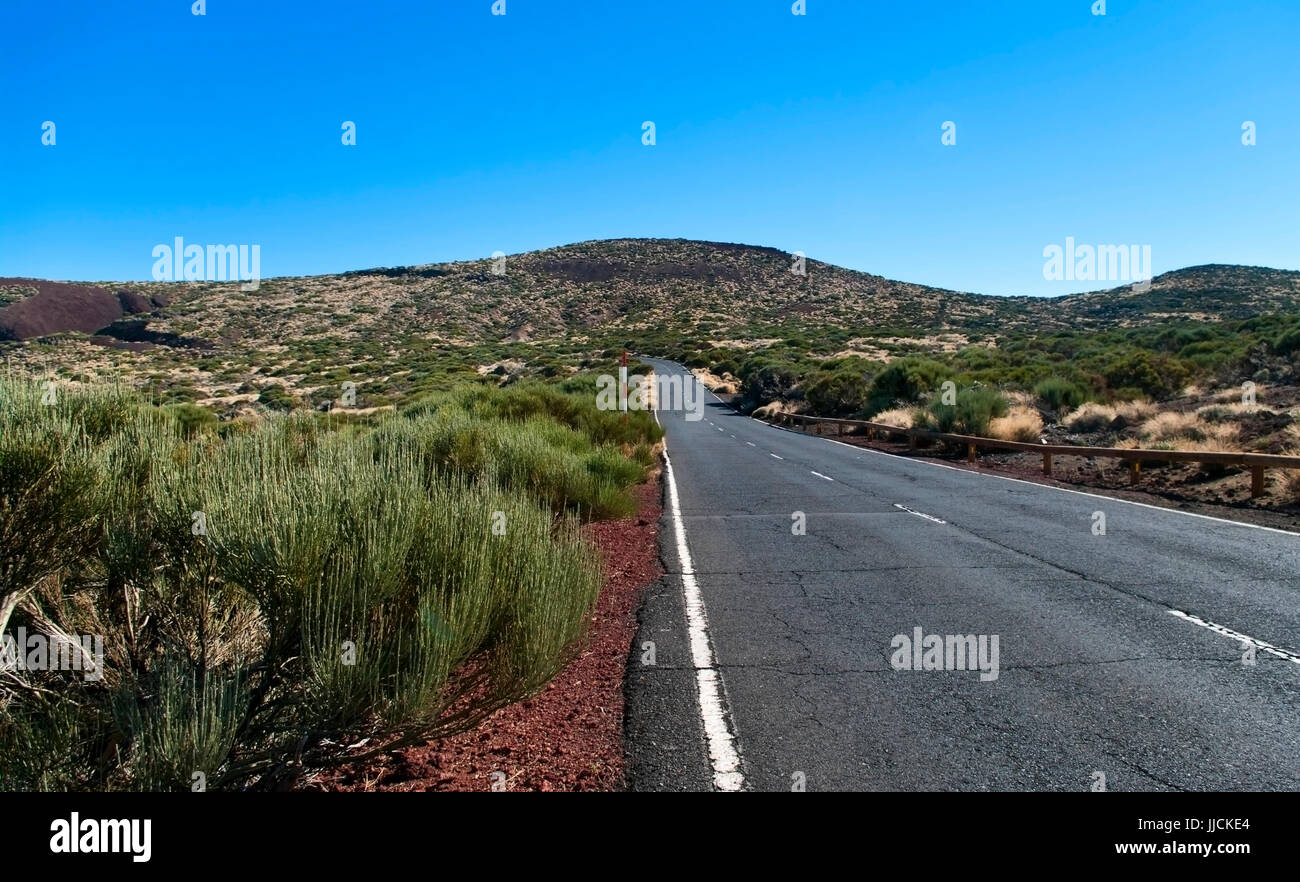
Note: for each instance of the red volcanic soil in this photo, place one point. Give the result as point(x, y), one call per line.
point(568, 737)
point(62, 306)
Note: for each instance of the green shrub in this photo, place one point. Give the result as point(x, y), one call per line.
point(1060, 394)
point(276, 397)
point(766, 383)
point(1153, 374)
point(840, 393)
point(974, 409)
point(905, 381)
point(193, 420)
point(378, 586)
point(550, 463)
point(1287, 342)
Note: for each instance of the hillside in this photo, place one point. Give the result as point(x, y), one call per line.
point(552, 310)
point(1210, 293)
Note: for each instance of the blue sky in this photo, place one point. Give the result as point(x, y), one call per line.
point(819, 133)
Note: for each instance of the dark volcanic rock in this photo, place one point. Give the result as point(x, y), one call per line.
point(57, 307)
point(133, 303)
point(137, 331)
point(1262, 423)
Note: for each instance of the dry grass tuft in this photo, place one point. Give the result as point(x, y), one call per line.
point(1223, 433)
point(1289, 479)
point(1020, 424)
point(715, 384)
point(1203, 445)
point(1232, 395)
point(1224, 411)
point(901, 417)
point(772, 410)
point(1137, 410)
point(1090, 417)
point(1171, 425)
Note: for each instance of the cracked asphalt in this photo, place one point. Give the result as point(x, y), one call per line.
point(1095, 674)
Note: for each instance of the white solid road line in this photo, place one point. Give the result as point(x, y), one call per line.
point(1236, 635)
point(723, 753)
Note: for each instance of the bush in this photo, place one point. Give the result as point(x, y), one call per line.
point(276, 397)
point(551, 463)
point(765, 384)
point(971, 415)
point(1154, 375)
point(1287, 342)
point(378, 586)
point(836, 394)
point(570, 403)
point(1060, 394)
point(193, 420)
point(905, 381)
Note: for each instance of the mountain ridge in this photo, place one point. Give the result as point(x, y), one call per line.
point(597, 281)
point(560, 309)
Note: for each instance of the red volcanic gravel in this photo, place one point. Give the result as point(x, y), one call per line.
point(569, 736)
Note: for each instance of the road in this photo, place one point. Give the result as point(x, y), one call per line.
point(1122, 656)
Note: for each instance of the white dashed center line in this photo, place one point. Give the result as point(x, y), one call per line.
point(820, 475)
point(920, 514)
point(1239, 637)
point(774, 456)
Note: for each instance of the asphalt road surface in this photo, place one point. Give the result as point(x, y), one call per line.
point(1123, 657)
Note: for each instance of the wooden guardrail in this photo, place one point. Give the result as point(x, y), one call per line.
point(1135, 457)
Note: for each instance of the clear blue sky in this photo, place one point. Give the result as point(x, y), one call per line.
point(818, 133)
